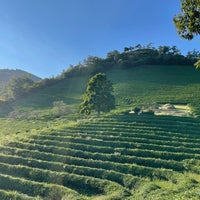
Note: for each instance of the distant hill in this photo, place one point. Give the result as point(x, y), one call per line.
point(8, 74)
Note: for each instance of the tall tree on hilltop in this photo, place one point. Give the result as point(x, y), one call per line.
point(188, 21)
point(98, 95)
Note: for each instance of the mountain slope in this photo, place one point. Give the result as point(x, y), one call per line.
point(138, 86)
point(7, 74)
point(118, 156)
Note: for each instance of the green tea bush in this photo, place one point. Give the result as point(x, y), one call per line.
point(109, 157)
point(14, 195)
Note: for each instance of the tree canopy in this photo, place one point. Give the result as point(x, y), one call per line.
point(188, 21)
point(98, 95)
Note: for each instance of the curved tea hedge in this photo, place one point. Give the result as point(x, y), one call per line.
point(116, 157)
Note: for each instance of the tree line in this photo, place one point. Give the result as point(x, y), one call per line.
point(131, 57)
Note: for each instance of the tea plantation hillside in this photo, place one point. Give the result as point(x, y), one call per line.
point(139, 86)
point(115, 157)
point(148, 85)
point(120, 156)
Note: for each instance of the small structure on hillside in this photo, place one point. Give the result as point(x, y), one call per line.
point(174, 110)
point(136, 111)
point(168, 106)
point(168, 109)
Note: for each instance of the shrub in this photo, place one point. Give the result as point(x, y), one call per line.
point(60, 108)
point(18, 114)
point(14, 114)
point(148, 112)
point(136, 110)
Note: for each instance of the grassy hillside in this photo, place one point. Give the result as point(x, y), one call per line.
point(140, 86)
point(118, 156)
point(157, 84)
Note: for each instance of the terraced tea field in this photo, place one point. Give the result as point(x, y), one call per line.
point(116, 157)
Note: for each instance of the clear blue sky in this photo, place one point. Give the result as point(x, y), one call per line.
point(46, 36)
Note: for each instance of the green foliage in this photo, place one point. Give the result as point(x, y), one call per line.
point(8, 195)
point(113, 157)
point(187, 23)
point(98, 95)
point(193, 55)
